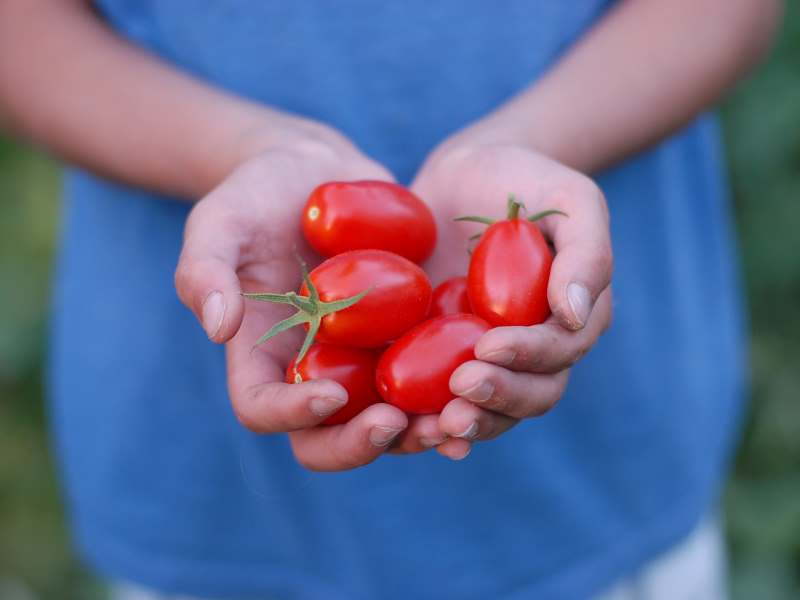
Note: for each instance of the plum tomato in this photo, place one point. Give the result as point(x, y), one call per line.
point(398, 297)
point(414, 373)
point(340, 216)
point(358, 299)
point(353, 369)
point(450, 298)
point(509, 271)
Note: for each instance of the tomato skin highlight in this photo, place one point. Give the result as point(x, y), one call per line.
point(450, 298)
point(414, 372)
point(353, 369)
point(508, 274)
point(340, 216)
point(399, 297)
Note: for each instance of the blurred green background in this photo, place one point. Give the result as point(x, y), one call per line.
point(762, 123)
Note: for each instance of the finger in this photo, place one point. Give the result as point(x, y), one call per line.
point(422, 434)
point(454, 449)
point(464, 420)
point(517, 395)
point(583, 262)
point(261, 400)
point(356, 443)
point(545, 348)
point(205, 278)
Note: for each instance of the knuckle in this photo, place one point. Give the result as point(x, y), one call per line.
point(551, 391)
point(515, 406)
point(343, 460)
point(588, 189)
point(543, 405)
point(499, 403)
point(303, 461)
point(550, 402)
point(520, 410)
point(534, 347)
point(574, 355)
point(245, 410)
point(585, 190)
point(600, 260)
point(579, 188)
point(248, 420)
point(182, 280)
point(303, 457)
point(188, 275)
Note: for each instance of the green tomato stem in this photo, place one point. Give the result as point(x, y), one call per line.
point(474, 219)
point(310, 310)
point(546, 213)
point(513, 207)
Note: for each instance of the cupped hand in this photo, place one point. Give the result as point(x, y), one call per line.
point(244, 236)
point(520, 372)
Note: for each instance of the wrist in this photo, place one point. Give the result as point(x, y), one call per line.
point(526, 122)
point(272, 130)
point(248, 130)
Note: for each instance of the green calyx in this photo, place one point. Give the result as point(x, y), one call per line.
point(512, 212)
point(310, 310)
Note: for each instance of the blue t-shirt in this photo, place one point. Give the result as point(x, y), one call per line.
point(167, 489)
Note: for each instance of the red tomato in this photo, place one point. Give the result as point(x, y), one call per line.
point(354, 369)
point(398, 298)
point(354, 215)
point(414, 372)
point(450, 298)
point(508, 274)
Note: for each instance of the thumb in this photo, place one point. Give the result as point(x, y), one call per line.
point(584, 259)
point(579, 274)
point(205, 278)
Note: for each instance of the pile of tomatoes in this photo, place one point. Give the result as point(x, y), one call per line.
point(374, 324)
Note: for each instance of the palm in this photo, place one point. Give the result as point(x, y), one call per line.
point(268, 200)
point(245, 237)
point(477, 183)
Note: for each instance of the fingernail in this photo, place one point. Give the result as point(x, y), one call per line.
point(213, 313)
point(470, 433)
point(580, 302)
point(431, 442)
point(322, 407)
point(463, 456)
point(499, 357)
point(479, 392)
point(383, 436)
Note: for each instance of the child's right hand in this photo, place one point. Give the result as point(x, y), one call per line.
point(243, 236)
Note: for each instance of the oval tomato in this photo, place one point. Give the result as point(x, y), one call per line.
point(398, 297)
point(353, 369)
point(414, 372)
point(450, 298)
point(340, 216)
point(508, 274)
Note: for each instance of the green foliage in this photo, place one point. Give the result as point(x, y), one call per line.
point(33, 544)
point(762, 123)
point(763, 501)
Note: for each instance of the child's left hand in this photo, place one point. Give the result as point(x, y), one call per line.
point(522, 371)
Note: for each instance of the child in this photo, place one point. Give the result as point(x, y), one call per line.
point(248, 106)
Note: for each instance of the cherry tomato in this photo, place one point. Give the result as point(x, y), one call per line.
point(353, 215)
point(414, 372)
point(398, 297)
point(354, 369)
point(508, 274)
point(450, 298)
